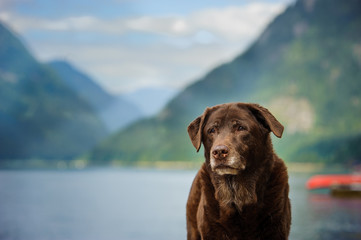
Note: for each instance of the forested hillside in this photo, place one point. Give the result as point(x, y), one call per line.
point(305, 67)
point(40, 117)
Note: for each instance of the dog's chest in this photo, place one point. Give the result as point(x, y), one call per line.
point(239, 223)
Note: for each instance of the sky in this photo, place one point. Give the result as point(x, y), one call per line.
point(125, 45)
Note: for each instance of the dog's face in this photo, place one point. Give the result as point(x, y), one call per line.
point(229, 135)
point(232, 134)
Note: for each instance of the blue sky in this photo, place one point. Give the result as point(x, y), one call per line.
point(130, 44)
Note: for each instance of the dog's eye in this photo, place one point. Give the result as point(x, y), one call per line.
point(241, 128)
point(212, 130)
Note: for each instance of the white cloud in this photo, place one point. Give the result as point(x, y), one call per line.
point(188, 45)
point(230, 22)
point(124, 68)
point(79, 24)
point(235, 23)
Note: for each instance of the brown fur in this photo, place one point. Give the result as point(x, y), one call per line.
point(241, 191)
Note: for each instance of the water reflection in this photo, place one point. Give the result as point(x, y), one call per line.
point(319, 216)
point(336, 218)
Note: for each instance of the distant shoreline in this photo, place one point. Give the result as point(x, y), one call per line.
point(80, 164)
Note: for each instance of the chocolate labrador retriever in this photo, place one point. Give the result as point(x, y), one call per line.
point(241, 191)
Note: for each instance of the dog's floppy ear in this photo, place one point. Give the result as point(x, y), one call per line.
point(267, 119)
point(195, 129)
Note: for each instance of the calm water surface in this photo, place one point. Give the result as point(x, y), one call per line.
point(141, 205)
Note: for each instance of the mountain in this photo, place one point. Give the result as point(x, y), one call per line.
point(82, 84)
point(115, 111)
point(40, 117)
point(151, 100)
point(305, 67)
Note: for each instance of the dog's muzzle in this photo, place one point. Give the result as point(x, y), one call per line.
point(224, 161)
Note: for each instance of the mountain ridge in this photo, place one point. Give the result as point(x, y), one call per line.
point(304, 67)
point(109, 108)
point(39, 115)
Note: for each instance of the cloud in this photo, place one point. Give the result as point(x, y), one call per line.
point(231, 22)
point(79, 24)
point(125, 68)
point(183, 48)
point(235, 23)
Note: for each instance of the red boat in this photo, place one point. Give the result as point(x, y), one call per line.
point(330, 181)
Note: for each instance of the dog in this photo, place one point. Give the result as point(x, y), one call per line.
point(241, 190)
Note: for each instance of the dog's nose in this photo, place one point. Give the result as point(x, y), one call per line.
point(220, 152)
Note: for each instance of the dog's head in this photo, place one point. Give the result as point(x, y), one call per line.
point(234, 135)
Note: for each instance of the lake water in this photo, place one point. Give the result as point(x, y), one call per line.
point(122, 204)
